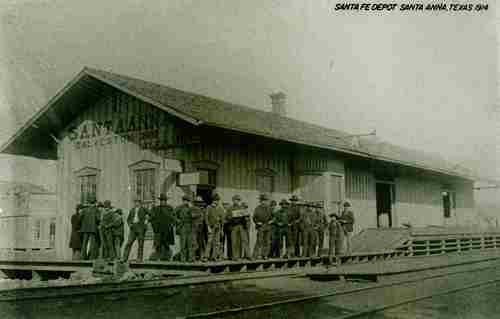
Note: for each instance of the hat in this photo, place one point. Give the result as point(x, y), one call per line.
point(244, 205)
point(294, 198)
point(92, 199)
point(186, 197)
point(137, 199)
point(107, 203)
point(236, 197)
point(119, 211)
point(216, 197)
point(163, 197)
point(79, 206)
point(347, 203)
point(263, 197)
point(198, 199)
point(283, 202)
point(273, 202)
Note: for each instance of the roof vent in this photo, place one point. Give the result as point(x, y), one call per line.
point(278, 102)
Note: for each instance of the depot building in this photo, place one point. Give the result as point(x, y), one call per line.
point(120, 138)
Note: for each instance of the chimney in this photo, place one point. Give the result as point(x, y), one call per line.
point(278, 102)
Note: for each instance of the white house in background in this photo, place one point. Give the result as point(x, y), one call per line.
point(27, 216)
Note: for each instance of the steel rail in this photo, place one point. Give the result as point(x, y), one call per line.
point(233, 311)
point(416, 299)
point(111, 287)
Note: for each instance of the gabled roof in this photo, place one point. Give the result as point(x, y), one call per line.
point(202, 110)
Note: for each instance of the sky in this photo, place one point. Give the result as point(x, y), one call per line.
point(425, 80)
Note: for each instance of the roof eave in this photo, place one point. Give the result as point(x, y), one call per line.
point(346, 151)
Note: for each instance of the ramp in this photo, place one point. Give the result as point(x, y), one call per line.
point(373, 240)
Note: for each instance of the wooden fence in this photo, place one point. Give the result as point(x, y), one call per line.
point(426, 245)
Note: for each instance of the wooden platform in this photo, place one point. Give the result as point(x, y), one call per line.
point(377, 271)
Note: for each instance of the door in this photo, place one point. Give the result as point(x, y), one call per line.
point(384, 198)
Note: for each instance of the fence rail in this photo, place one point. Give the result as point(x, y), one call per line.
point(442, 244)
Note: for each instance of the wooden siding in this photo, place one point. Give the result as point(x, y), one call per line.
point(418, 190)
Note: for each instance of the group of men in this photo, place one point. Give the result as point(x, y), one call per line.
point(215, 232)
point(97, 230)
point(297, 229)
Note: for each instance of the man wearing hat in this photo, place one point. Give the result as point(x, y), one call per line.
point(227, 238)
point(198, 218)
point(346, 219)
point(136, 221)
point(309, 233)
point(237, 216)
point(279, 228)
point(105, 231)
point(335, 236)
point(294, 219)
point(214, 219)
point(262, 218)
point(321, 225)
point(163, 222)
point(75, 241)
point(89, 229)
point(117, 230)
point(185, 228)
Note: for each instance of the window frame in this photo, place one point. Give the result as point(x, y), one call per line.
point(266, 173)
point(86, 173)
point(141, 166)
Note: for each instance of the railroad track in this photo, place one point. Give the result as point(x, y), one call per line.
point(32, 293)
point(247, 311)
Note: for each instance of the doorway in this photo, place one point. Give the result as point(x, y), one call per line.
point(385, 199)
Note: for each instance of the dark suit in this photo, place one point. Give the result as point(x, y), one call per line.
point(137, 231)
point(75, 241)
point(163, 221)
point(89, 229)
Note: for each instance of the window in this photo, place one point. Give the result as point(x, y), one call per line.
point(265, 180)
point(52, 233)
point(265, 184)
point(37, 230)
point(145, 184)
point(87, 180)
point(88, 187)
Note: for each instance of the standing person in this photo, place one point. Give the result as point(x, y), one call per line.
point(245, 242)
point(335, 236)
point(214, 219)
point(163, 222)
point(293, 244)
point(107, 217)
point(75, 241)
point(185, 229)
point(262, 218)
point(236, 216)
point(279, 226)
point(321, 225)
point(228, 229)
point(136, 221)
point(118, 233)
point(198, 218)
point(309, 233)
point(99, 238)
point(346, 219)
point(89, 229)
